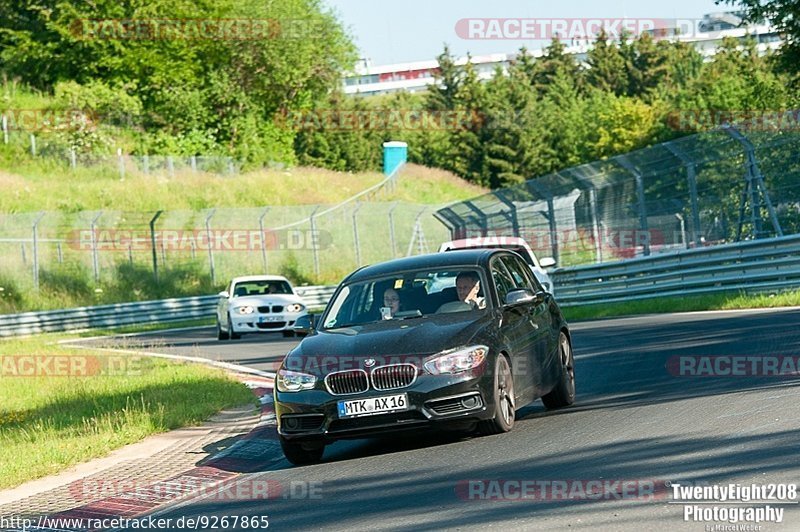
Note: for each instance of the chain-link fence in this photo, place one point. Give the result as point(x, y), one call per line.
point(700, 190)
point(317, 244)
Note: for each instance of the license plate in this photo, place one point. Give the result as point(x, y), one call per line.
point(373, 405)
point(263, 319)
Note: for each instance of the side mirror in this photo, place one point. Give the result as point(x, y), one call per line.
point(519, 296)
point(224, 294)
point(304, 325)
point(547, 262)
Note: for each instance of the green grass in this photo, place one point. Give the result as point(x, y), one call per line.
point(723, 301)
point(100, 188)
point(48, 423)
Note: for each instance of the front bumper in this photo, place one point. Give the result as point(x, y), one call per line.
point(259, 323)
point(435, 401)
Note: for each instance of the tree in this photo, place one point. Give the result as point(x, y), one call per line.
point(784, 16)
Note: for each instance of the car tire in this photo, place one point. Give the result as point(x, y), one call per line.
point(233, 335)
point(564, 392)
point(288, 334)
point(503, 399)
point(221, 335)
point(302, 453)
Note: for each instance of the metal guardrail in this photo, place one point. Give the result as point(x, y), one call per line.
point(752, 266)
point(161, 311)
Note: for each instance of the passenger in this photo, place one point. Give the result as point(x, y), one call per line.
point(391, 300)
point(468, 284)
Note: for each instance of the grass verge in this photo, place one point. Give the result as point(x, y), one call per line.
point(81, 405)
point(723, 301)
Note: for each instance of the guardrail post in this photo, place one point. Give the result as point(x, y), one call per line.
point(36, 251)
point(211, 247)
point(315, 240)
point(153, 244)
point(95, 258)
point(391, 230)
point(263, 239)
point(642, 207)
point(356, 242)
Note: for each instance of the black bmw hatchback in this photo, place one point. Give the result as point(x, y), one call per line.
point(455, 340)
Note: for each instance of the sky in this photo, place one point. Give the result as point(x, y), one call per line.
point(415, 30)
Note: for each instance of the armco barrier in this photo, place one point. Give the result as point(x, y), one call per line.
point(161, 311)
point(751, 266)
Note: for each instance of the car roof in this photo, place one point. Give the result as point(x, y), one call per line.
point(459, 258)
point(249, 278)
point(479, 241)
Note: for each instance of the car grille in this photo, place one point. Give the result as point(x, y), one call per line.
point(266, 309)
point(394, 376)
point(271, 325)
point(302, 423)
point(347, 382)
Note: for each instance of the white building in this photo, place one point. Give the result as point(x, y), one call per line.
point(705, 34)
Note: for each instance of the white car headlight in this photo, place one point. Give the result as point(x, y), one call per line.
point(293, 381)
point(247, 309)
point(294, 307)
point(457, 360)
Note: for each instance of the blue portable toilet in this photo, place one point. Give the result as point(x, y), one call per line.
point(395, 154)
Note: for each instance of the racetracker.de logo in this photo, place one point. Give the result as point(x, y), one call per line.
point(48, 120)
point(380, 119)
point(541, 490)
point(195, 29)
point(111, 239)
point(229, 490)
point(690, 120)
point(69, 365)
point(574, 28)
point(733, 366)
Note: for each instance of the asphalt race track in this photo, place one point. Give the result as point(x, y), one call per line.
point(636, 419)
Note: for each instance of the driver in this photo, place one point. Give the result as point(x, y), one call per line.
point(468, 284)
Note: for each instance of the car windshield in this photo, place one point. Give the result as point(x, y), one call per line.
point(257, 288)
point(406, 295)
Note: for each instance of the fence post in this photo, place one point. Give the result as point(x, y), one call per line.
point(146, 164)
point(73, 159)
point(59, 253)
point(153, 244)
point(263, 239)
point(355, 234)
point(391, 229)
point(95, 259)
point(121, 164)
point(36, 251)
point(170, 166)
point(543, 191)
point(5, 129)
point(33, 145)
point(211, 247)
point(596, 235)
point(315, 240)
point(231, 169)
point(643, 225)
point(193, 161)
point(692, 179)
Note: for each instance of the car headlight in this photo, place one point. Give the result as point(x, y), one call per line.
point(247, 309)
point(293, 381)
point(457, 360)
point(294, 307)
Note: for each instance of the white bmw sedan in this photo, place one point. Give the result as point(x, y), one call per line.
point(257, 304)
